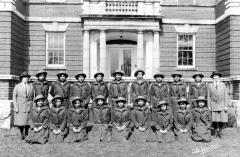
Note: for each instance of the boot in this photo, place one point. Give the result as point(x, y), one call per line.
point(220, 129)
point(21, 129)
point(214, 133)
point(26, 128)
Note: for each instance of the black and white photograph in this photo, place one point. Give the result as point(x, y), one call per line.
point(119, 78)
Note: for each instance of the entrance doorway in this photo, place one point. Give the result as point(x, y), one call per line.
point(122, 57)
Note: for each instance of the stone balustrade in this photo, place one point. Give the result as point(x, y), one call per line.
point(122, 8)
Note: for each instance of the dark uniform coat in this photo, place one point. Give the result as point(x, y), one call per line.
point(58, 120)
point(37, 118)
point(164, 121)
point(77, 119)
point(177, 91)
point(183, 120)
point(83, 91)
point(117, 89)
point(101, 119)
point(158, 92)
point(196, 90)
point(57, 88)
point(120, 117)
point(201, 124)
point(140, 118)
point(41, 88)
point(99, 89)
point(139, 88)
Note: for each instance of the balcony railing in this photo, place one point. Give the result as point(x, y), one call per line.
point(125, 7)
point(121, 7)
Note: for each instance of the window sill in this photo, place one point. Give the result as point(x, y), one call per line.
point(57, 67)
point(185, 69)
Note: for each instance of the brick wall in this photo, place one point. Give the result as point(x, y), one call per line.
point(36, 48)
point(228, 46)
point(5, 42)
point(6, 89)
point(204, 55)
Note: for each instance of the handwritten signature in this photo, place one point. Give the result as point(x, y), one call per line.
point(203, 150)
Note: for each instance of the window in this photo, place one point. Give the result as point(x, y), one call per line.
point(55, 51)
point(186, 48)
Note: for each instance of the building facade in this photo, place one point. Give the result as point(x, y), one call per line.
point(90, 35)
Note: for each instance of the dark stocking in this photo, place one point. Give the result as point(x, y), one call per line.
point(21, 128)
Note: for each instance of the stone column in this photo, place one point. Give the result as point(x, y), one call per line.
point(156, 52)
point(86, 53)
point(149, 55)
point(103, 52)
point(140, 55)
point(93, 53)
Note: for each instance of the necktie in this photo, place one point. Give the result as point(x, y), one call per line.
point(25, 85)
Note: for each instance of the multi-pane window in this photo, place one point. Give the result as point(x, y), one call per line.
point(186, 51)
point(55, 49)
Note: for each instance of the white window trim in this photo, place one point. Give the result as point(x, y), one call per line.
point(56, 66)
point(194, 51)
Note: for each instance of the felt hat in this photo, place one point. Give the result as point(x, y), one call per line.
point(57, 97)
point(98, 73)
point(24, 74)
point(140, 98)
point(118, 72)
point(100, 97)
point(197, 74)
point(121, 99)
point(158, 74)
point(176, 73)
point(41, 72)
point(182, 100)
point(62, 73)
point(80, 74)
point(216, 73)
point(39, 97)
point(137, 71)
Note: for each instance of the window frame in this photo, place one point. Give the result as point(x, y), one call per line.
point(193, 51)
point(64, 51)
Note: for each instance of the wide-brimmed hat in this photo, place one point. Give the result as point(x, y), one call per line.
point(137, 71)
point(140, 98)
point(118, 72)
point(201, 98)
point(80, 74)
point(197, 74)
point(121, 99)
point(216, 73)
point(39, 97)
point(40, 72)
point(57, 97)
point(158, 74)
point(176, 73)
point(24, 74)
point(98, 73)
point(162, 102)
point(182, 100)
point(100, 97)
point(77, 98)
point(62, 73)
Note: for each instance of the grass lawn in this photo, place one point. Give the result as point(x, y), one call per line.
point(12, 146)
